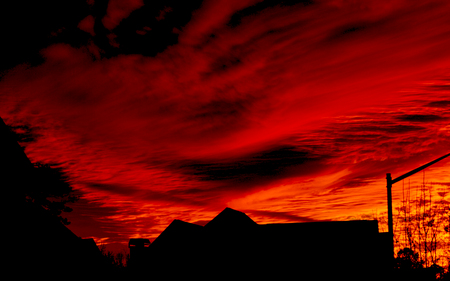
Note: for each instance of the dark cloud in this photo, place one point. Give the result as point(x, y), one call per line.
point(386, 128)
point(29, 27)
point(440, 87)
point(356, 183)
point(224, 64)
point(441, 103)
point(264, 164)
point(34, 26)
point(181, 197)
point(253, 10)
point(347, 32)
point(161, 32)
point(421, 118)
point(223, 111)
point(112, 188)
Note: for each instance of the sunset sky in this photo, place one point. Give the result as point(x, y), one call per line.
point(290, 111)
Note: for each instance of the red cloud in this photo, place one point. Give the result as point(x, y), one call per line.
point(118, 10)
point(87, 25)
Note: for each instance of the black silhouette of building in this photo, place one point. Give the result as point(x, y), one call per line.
point(232, 246)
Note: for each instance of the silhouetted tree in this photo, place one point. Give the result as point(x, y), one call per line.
point(421, 224)
point(118, 261)
point(45, 185)
point(408, 259)
point(421, 228)
point(49, 187)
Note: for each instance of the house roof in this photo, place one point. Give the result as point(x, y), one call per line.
point(177, 234)
point(230, 219)
point(232, 244)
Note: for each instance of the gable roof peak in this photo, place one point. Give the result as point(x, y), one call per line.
point(230, 219)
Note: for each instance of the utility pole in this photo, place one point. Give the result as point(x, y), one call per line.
point(390, 182)
point(390, 216)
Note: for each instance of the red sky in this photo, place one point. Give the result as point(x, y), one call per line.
point(289, 111)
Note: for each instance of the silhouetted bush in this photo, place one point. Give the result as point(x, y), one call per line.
point(408, 259)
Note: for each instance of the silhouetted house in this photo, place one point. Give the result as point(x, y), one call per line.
point(230, 243)
point(349, 249)
point(234, 247)
point(37, 244)
point(177, 245)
